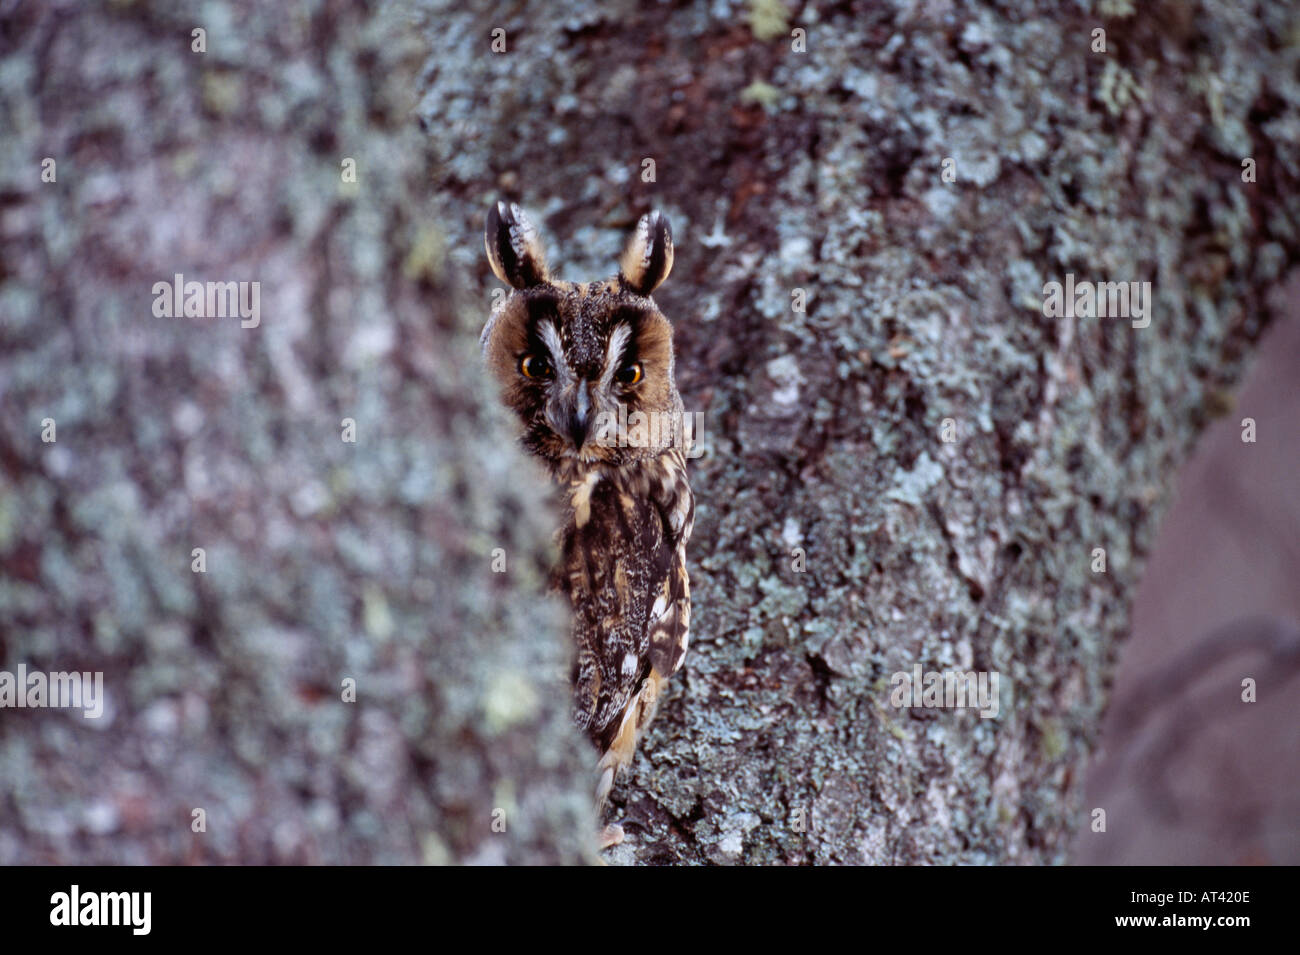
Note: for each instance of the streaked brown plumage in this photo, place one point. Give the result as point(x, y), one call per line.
point(566, 356)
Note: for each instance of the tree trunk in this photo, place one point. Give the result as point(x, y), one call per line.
point(916, 469)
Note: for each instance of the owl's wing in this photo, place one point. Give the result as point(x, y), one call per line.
point(665, 628)
point(625, 573)
point(613, 561)
point(669, 624)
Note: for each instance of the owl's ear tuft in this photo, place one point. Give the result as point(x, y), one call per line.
point(648, 258)
point(514, 246)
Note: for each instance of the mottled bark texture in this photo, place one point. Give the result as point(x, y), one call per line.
point(325, 560)
point(780, 170)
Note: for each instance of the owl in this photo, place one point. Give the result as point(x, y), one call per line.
point(588, 370)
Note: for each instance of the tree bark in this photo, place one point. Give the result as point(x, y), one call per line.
point(839, 538)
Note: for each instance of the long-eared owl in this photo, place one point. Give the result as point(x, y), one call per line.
point(577, 363)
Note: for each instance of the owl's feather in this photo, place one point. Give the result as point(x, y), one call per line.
point(623, 567)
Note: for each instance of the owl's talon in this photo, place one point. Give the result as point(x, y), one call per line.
point(611, 835)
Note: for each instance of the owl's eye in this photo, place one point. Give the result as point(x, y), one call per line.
point(535, 366)
point(629, 374)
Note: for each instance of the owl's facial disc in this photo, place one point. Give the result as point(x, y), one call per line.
point(577, 362)
point(577, 389)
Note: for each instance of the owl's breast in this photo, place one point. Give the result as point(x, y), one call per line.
point(613, 561)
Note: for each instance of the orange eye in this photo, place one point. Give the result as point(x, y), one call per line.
point(629, 375)
point(535, 366)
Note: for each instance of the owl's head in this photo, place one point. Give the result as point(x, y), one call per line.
point(567, 355)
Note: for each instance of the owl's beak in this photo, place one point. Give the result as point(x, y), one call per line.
point(578, 419)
